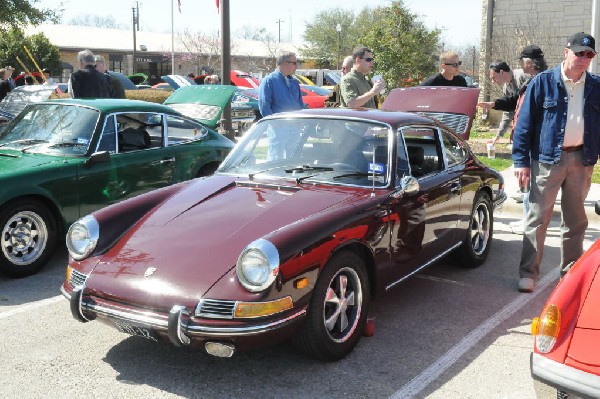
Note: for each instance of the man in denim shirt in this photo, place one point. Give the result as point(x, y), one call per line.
point(556, 145)
point(279, 91)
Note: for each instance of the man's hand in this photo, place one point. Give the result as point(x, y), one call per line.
point(523, 175)
point(378, 86)
point(486, 105)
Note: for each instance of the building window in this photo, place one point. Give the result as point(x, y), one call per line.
point(115, 65)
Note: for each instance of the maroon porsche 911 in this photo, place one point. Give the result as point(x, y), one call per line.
point(312, 215)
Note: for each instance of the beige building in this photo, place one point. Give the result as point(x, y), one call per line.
point(193, 52)
point(510, 25)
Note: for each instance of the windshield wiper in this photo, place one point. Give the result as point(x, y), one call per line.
point(359, 174)
point(304, 168)
point(60, 145)
point(25, 141)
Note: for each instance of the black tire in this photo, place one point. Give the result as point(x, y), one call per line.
point(28, 237)
point(476, 245)
point(328, 333)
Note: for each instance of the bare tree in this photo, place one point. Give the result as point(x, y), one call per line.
point(97, 21)
point(202, 50)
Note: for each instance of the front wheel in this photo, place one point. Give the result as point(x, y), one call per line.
point(476, 245)
point(337, 310)
point(28, 238)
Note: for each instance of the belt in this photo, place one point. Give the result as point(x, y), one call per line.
point(573, 149)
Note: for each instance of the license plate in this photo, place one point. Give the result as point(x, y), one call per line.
point(138, 331)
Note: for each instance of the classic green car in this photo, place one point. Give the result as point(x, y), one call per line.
point(62, 159)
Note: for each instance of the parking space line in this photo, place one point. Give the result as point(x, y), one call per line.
point(30, 306)
point(427, 376)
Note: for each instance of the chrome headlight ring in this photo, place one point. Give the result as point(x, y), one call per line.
point(82, 237)
point(258, 265)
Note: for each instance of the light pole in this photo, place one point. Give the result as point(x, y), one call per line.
point(279, 22)
point(338, 28)
point(135, 11)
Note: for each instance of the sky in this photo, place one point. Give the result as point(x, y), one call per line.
point(460, 19)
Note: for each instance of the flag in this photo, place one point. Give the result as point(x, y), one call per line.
point(179, 5)
point(217, 6)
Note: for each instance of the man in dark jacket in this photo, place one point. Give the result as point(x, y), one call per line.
point(116, 87)
point(556, 145)
point(87, 82)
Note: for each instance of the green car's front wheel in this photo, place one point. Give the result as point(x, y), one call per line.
point(28, 237)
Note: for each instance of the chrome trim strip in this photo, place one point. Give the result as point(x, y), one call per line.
point(153, 320)
point(65, 293)
point(176, 335)
point(424, 265)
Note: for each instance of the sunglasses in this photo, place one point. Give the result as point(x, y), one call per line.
point(292, 62)
point(587, 54)
point(368, 59)
point(455, 65)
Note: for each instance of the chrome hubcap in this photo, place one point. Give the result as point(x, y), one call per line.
point(480, 228)
point(342, 306)
point(24, 238)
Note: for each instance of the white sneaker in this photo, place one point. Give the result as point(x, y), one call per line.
point(517, 227)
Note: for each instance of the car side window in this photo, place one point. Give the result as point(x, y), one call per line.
point(424, 150)
point(453, 149)
point(139, 131)
point(181, 130)
point(108, 140)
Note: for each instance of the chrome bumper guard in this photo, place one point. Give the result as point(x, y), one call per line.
point(173, 324)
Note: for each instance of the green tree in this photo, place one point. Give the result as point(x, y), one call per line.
point(19, 13)
point(322, 37)
point(45, 53)
point(405, 50)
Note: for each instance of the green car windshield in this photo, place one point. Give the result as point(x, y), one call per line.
point(51, 129)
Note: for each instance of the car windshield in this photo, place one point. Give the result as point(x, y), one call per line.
point(339, 151)
point(51, 128)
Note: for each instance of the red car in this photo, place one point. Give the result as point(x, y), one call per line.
point(243, 79)
point(313, 214)
point(314, 96)
point(566, 354)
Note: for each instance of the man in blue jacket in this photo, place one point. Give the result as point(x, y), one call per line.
point(556, 144)
point(279, 91)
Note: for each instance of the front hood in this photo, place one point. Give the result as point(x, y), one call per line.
point(589, 317)
point(204, 103)
point(455, 107)
point(195, 237)
point(13, 162)
point(177, 81)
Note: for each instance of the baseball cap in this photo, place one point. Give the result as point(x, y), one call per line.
point(580, 42)
point(46, 70)
point(531, 51)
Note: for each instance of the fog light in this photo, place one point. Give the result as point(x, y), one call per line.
point(219, 349)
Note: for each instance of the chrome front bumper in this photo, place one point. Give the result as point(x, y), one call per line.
point(174, 323)
point(563, 377)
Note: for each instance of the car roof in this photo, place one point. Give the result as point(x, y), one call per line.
point(393, 118)
point(114, 104)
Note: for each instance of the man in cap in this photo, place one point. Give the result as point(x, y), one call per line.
point(556, 145)
point(48, 80)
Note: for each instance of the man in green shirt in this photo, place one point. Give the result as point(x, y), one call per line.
point(356, 91)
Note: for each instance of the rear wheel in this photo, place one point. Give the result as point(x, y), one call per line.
point(337, 309)
point(28, 238)
point(476, 245)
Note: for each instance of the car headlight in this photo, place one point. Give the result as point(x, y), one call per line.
point(258, 265)
point(546, 328)
point(82, 237)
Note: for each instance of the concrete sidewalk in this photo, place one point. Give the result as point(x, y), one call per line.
point(511, 207)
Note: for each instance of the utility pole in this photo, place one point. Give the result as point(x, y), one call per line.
point(279, 22)
point(135, 10)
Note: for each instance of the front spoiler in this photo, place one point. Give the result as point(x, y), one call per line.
point(564, 378)
point(174, 324)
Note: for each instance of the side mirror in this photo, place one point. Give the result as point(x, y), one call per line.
point(409, 185)
point(98, 157)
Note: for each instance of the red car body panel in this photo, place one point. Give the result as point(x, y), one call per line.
point(311, 99)
point(243, 79)
point(573, 364)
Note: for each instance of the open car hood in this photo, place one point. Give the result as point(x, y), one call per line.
point(204, 103)
point(177, 81)
point(455, 107)
point(20, 96)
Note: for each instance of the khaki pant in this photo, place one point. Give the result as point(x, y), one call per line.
point(574, 181)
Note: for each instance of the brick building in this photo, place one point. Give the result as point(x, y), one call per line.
point(193, 52)
point(510, 25)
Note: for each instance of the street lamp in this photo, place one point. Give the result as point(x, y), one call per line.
point(135, 11)
point(338, 28)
